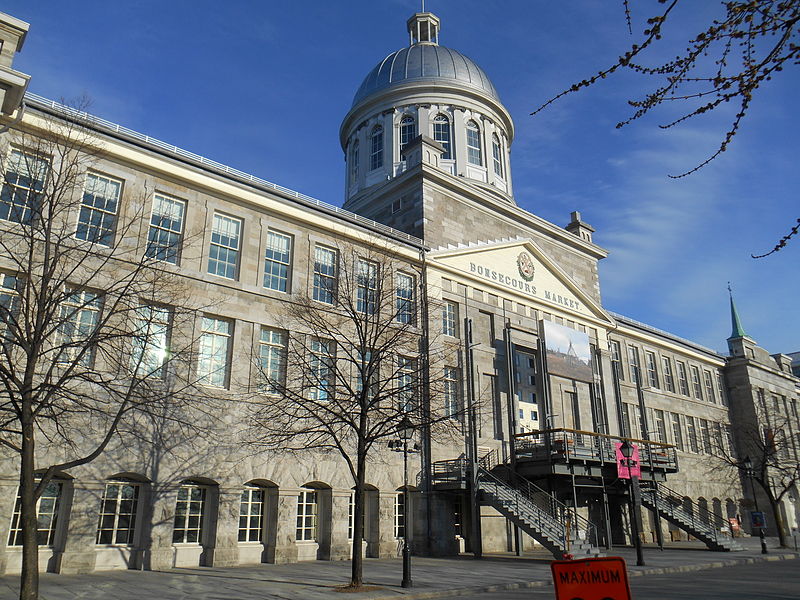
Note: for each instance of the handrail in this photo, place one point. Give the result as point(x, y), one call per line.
point(537, 432)
point(699, 518)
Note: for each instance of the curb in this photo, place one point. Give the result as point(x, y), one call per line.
point(470, 591)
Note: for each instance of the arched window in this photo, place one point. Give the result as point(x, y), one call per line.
point(307, 512)
point(474, 152)
point(441, 133)
point(118, 511)
point(376, 148)
point(354, 157)
point(408, 131)
point(497, 155)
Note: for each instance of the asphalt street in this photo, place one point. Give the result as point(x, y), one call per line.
point(763, 581)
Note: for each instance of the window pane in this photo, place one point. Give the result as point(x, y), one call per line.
point(97, 218)
point(166, 229)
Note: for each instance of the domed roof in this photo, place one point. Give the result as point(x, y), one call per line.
point(426, 62)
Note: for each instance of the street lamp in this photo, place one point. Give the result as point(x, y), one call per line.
point(748, 467)
point(626, 449)
point(405, 431)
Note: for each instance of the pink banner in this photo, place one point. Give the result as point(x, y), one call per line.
point(624, 470)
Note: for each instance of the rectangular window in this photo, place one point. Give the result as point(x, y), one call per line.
point(677, 431)
point(705, 437)
point(150, 340)
point(451, 395)
point(9, 306)
point(47, 513)
point(324, 275)
point(251, 514)
point(652, 370)
point(98, 216)
point(214, 356)
point(306, 516)
point(710, 396)
point(406, 384)
point(720, 384)
point(21, 197)
point(683, 382)
point(719, 440)
point(625, 426)
point(80, 315)
point(450, 319)
point(321, 361)
point(117, 522)
point(691, 431)
point(400, 515)
point(165, 237)
point(669, 380)
point(633, 360)
point(696, 385)
point(272, 358)
point(405, 303)
point(616, 358)
point(367, 287)
point(277, 261)
point(190, 509)
point(497, 157)
point(223, 255)
point(661, 426)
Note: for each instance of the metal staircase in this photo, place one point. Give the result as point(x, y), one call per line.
point(557, 527)
point(706, 526)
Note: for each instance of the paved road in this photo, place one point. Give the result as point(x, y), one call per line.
point(765, 581)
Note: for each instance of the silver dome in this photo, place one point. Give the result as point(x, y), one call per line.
point(425, 62)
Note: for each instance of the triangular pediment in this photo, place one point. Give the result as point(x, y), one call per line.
point(520, 267)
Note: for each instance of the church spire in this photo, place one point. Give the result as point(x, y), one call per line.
point(423, 28)
point(737, 329)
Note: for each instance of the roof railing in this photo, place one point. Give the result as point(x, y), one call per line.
point(103, 124)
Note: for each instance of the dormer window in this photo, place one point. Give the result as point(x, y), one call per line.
point(474, 148)
point(441, 133)
point(408, 131)
point(376, 148)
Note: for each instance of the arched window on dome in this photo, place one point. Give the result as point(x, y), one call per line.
point(408, 131)
point(497, 155)
point(354, 158)
point(376, 148)
point(474, 147)
point(441, 133)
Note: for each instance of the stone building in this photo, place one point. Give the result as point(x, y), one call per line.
point(427, 145)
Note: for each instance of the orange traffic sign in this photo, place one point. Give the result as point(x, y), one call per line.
point(591, 579)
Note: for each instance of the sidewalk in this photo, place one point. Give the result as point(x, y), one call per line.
point(433, 577)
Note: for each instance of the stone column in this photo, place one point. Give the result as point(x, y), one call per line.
point(158, 553)
point(225, 551)
point(78, 555)
point(387, 543)
point(340, 543)
point(286, 527)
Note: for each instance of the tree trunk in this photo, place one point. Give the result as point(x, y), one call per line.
point(776, 514)
point(357, 564)
point(29, 577)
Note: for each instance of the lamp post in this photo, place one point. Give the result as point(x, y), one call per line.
point(405, 431)
point(748, 466)
point(627, 451)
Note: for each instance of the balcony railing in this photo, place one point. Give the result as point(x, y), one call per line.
point(565, 445)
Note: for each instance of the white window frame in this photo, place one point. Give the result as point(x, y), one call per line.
point(474, 144)
point(669, 377)
point(450, 318)
point(376, 148)
point(9, 304)
point(18, 166)
point(400, 513)
point(307, 526)
point(497, 156)
point(683, 381)
point(167, 224)
point(115, 508)
point(697, 384)
point(407, 131)
point(322, 376)
point(443, 133)
point(252, 505)
point(452, 400)
point(406, 383)
point(79, 318)
point(151, 340)
point(215, 342)
point(196, 507)
point(710, 395)
point(325, 274)
point(278, 261)
point(652, 369)
point(107, 209)
point(48, 511)
point(405, 299)
point(272, 345)
point(367, 287)
point(226, 241)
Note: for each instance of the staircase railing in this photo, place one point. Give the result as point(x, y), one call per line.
point(696, 517)
point(554, 518)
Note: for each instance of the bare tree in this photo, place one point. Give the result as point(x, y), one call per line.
point(748, 44)
point(767, 446)
point(91, 316)
point(358, 360)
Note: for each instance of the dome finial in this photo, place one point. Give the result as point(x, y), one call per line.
point(423, 28)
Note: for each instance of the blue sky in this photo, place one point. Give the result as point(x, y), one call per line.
point(263, 86)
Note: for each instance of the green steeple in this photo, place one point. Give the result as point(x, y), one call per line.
point(738, 330)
